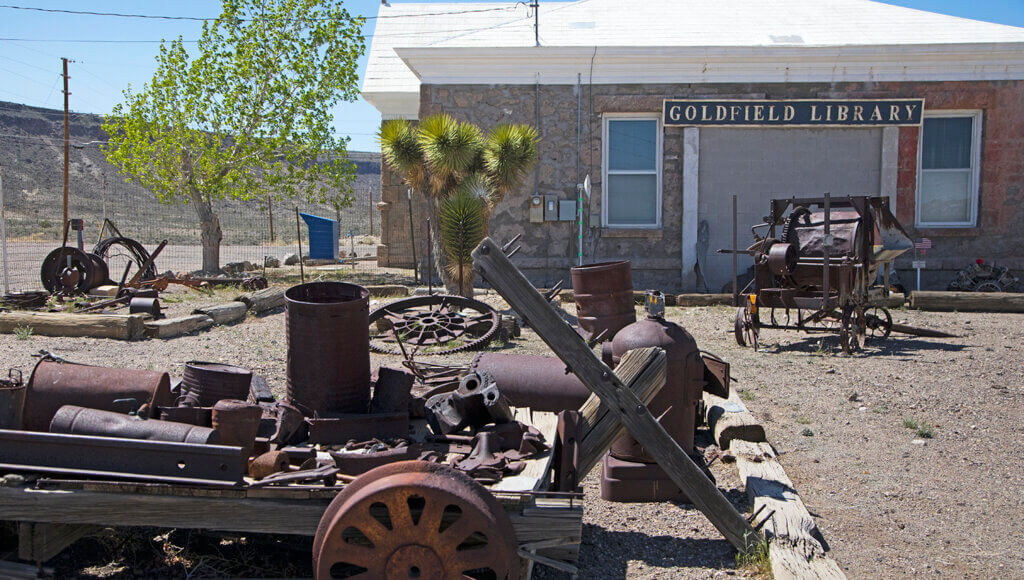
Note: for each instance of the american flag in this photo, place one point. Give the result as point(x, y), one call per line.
point(923, 244)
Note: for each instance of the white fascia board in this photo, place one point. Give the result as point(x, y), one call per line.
point(755, 64)
point(396, 104)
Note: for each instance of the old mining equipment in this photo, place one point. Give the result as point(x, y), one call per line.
point(820, 257)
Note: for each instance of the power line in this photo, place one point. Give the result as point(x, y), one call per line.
point(205, 19)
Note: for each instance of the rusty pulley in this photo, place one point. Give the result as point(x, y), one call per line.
point(414, 519)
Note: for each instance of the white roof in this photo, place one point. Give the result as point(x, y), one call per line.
point(494, 42)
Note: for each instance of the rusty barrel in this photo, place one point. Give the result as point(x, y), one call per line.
point(55, 384)
point(82, 421)
point(237, 422)
point(205, 383)
point(328, 347)
point(12, 401)
point(538, 382)
point(603, 294)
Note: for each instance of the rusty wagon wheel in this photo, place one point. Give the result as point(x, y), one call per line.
point(414, 519)
point(878, 322)
point(746, 327)
point(432, 325)
point(851, 335)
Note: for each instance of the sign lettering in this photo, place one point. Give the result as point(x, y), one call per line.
point(805, 113)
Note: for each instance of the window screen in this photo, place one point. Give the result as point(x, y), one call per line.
point(632, 194)
point(948, 157)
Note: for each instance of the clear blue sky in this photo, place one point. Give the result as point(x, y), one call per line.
point(30, 69)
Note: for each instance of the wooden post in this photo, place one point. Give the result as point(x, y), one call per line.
point(298, 238)
point(642, 371)
point(39, 542)
point(509, 282)
point(270, 215)
point(67, 141)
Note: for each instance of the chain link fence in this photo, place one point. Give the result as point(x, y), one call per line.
point(32, 183)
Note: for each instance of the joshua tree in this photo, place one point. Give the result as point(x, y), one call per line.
point(464, 173)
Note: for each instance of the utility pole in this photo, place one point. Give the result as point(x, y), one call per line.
point(270, 212)
point(67, 140)
point(536, 21)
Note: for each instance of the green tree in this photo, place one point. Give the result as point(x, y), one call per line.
point(464, 173)
point(248, 113)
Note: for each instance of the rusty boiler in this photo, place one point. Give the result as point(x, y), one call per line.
point(603, 294)
point(675, 405)
point(328, 347)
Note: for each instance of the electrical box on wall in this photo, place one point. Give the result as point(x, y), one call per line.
point(567, 210)
point(536, 209)
point(595, 219)
point(550, 208)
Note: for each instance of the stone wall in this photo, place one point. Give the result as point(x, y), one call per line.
point(549, 249)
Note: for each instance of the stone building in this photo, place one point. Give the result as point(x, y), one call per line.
point(672, 107)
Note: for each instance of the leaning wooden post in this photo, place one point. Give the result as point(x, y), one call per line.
point(494, 266)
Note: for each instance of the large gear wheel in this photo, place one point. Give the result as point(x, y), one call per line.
point(414, 519)
point(68, 269)
point(432, 325)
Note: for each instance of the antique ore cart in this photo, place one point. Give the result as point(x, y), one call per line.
point(817, 260)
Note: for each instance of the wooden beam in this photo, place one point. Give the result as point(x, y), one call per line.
point(225, 313)
point(263, 300)
point(171, 327)
point(795, 550)
point(968, 301)
point(494, 266)
point(119, 326)
point(643, 371)
point(38, 542)
point(729, 419)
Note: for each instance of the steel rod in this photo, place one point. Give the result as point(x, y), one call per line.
point(735, 257)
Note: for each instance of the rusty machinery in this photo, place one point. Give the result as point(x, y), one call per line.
point(819, 257)
point(432, 325)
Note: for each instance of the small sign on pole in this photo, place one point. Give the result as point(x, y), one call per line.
point(922, 246)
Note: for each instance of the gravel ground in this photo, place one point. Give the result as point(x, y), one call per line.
point(891, 501)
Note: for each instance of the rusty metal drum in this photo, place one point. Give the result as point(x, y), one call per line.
point(328, 347)
point(604, 297)
point(205, 383)
point(529, 380)
point(55, 384)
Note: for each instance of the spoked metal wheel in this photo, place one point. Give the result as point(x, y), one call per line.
point(878, 322)
point(414, 519)
point(68, 269)
point(432, 325)
point(746, 327)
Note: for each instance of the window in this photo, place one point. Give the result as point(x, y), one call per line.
point(947, 191)
point(632, 172)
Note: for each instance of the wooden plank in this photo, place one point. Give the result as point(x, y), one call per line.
point(494, 266)
point(106, 291)
point(119, 326)
point(703, 300)
point(729, 419)
point(968, 301)
point(387, 290)
point(224, 313)
point(642, 371)
point(263, 300)
point(794, 551)
point(15, 571)
point(171, 327)
point(38, 542)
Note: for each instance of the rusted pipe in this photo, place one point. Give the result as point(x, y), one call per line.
point(538, 382)
point(55, 384)
point(82, 421)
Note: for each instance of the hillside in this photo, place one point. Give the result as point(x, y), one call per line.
point(31, 153)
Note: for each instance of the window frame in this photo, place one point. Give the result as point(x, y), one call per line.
point(605, 170)
point(974, 191)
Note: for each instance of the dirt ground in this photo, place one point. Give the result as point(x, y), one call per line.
point(909, 454)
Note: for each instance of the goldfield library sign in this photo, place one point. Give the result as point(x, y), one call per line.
point(793, 113)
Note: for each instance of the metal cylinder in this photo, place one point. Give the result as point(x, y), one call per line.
point(192, 415)
point(149, 306)
point(55, 384)
point(82, 421)
point(782, 259)
point(269, 463)
point(538, 382)
point(676, 402)
point(237, 422)
point(603, 294)
point(205, 383)
point(12, 401)
point(328, 347)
